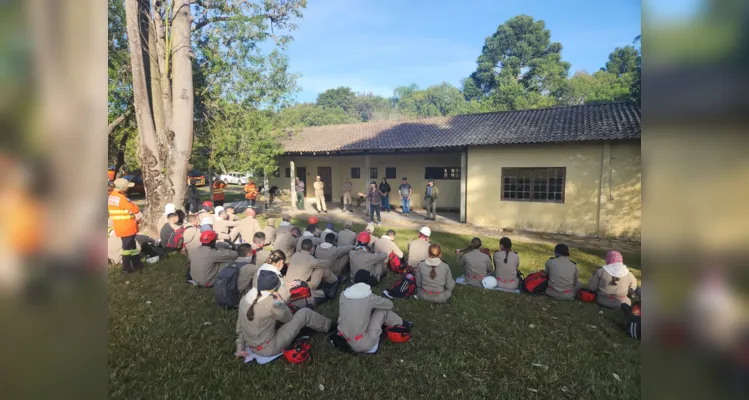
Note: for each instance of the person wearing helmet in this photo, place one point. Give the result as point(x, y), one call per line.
point(163, 220)
point(246, 227)
point(338, 254)
point(270, 231)
point(286, 242)
point(434, 279)
point(362, 315)
point(193, 198)
point(347, 237)
point(207, 206)
point(363, 258)
point(418, 249)
point(506, 263)
point(314, 221)
point(372, 238)
point(206, 224)
point(563, 274)
point(264, 306)
point(303, 266)
point(285, 225)
point(476, 263)
point(222, 225)
point(614, 282)
point(308, 234)
point(206, 261)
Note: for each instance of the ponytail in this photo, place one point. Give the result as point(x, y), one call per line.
point(433, 273)
point(251, 310)
point(475, 245)
point(507, 244)
point(507, 254)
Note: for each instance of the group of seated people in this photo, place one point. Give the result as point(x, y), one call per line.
point(321, 260)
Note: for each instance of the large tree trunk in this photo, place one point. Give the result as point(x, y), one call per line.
point(151, 166)
point(179, 138)
point(163, 54)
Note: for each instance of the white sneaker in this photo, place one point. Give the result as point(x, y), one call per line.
point(378, 224)
point(416, 298)
point(152, 260)
point(385, 292)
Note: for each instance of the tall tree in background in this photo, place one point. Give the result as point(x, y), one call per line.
point(622, 60)
point(160, 36)
point(519, 67)
point(341, 97)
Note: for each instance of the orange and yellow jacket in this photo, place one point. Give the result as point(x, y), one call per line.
point(250, 191)
point(218, 190)
point(122, 212)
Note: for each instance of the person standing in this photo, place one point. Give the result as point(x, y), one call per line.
point(347, 187)
point(320, 194)
point(299, 194)
point(125, 217)
point(405, 192)
point(430, 200)
point(385, 189)
point(374, 199)
point(193, 198)
point(218, 192)
point(250, 191)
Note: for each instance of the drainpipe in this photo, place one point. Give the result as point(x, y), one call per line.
point(463, 180)
point(604, 176)
point(293, 186)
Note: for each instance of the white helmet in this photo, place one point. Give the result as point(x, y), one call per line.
point(425, 231)
point(489, 282)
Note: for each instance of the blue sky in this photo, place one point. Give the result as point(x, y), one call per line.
point(376, 45)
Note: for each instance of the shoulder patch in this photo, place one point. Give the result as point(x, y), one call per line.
point(113, 200)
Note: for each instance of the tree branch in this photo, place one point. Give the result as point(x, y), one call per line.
point(121, 118)
point(202, 23)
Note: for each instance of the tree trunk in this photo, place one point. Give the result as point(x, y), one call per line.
point(157, 104)
point(152, 168)
point(162, 110)
point(179, 138)
point(121, 155)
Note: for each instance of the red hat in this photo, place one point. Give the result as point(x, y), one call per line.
point(207, 203)
point(312, 220)
point(586, 295)
point(398, 334)
point(298, 352)
point(614, 257)
point(208, 237)
point(363, 237)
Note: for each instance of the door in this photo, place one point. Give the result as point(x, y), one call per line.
point(301, 173)
point(326, 175)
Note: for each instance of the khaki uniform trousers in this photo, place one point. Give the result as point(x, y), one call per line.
point(374, 330)
point(288, 331)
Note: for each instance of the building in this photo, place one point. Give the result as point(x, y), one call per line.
point(563, 169)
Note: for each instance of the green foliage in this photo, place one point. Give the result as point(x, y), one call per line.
point(622, 60)
point(308, 114)
point(341, 97)
point(120, 88)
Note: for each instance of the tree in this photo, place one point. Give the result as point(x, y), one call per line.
point(160, 34)
point(308, 114)
point(341, 97)
point(518, 60)
point(622, 60)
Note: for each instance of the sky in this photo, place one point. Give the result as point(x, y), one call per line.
point(377, 45)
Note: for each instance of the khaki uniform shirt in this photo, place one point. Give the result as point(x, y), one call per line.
point(506, 272)
point(354, 319)
point(563, 278)
point(438, 289)
point(247, 227)
point(372, 262)
point(418, 251)
point(283, 227)
point(476, 264)
point(286, 242)
point(612, 295)
point(206, 263)
point(346, 237)
point(306, 235)
point(338, 255)
point(270, 234)
point(302, 265)
point(191, 238)
point(347, 187)
point(319, 188)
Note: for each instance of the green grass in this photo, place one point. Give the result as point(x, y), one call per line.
point(480, 345)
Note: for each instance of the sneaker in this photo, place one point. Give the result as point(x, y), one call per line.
point(385, 292)
point(415, 297)
point(378, 224)
point(152, 260)
point(408, 324)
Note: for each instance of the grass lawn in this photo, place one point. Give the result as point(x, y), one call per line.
point(168, 339)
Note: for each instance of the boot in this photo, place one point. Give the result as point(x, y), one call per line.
point(330, 290)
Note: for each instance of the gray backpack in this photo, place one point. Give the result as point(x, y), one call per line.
point(225, 285)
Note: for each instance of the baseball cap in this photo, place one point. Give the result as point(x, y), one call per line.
point(121, 183)
point(425, 231)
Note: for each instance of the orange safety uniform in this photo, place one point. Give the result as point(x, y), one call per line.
point(250, 191)
point(110, 174)
point(218, 190)
point(122, 212)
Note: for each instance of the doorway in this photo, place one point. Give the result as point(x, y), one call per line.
point(326, 175)
point(301, 173)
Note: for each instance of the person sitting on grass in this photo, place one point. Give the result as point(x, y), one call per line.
point(476, 263)
point(264, 306)
point(347, 237)
point(434, 279)
point(164, 218)
point(258, 246)
point(285, 225)
point(207, 261)
point(614, 282)
point(191, 235)
point(506, 263)
point(363, 258)
point(270, 232)
point(168, 229)
point(386, 244)
point(306, 268)
point(328, 229)
point(418, 249)
point(230, 214)
point(362, 315)
point(286, 242)
point(248, 269)
point(339, 254)
point(308, 234)
point(563, 274)
point(222, 224)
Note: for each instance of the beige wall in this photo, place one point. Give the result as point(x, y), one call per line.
point(589, 173)
point(409, 165)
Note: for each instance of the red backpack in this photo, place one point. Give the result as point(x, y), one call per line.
point(301, 291)
point(396, 265)
point(405, 287)
point(535, 283)
point(177, 239)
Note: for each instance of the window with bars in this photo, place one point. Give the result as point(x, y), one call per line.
point(442, 173)
point(390, 173)
point(355, 173)
point(534, 184)
point(373, 173)
point(288, 172)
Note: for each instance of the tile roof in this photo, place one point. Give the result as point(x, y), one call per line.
point(609, 121)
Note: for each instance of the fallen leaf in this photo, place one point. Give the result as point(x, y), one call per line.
point(617, 377)
point(444, 376)
point(541, 366)
point(592, 326)
point(554, 318)
point(533, 390)
point(127, 282)
point(531, 326)
point(148, 302)
point(401, 360)
point(564, 389)
point(600, 312)
point(321, 387)
point(206, 323)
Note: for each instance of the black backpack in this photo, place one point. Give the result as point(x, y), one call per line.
point(225, 285)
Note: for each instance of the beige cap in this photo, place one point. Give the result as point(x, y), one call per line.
point(121, 183)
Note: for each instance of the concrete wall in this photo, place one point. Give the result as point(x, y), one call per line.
point(410, 165)
point(590, 170)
